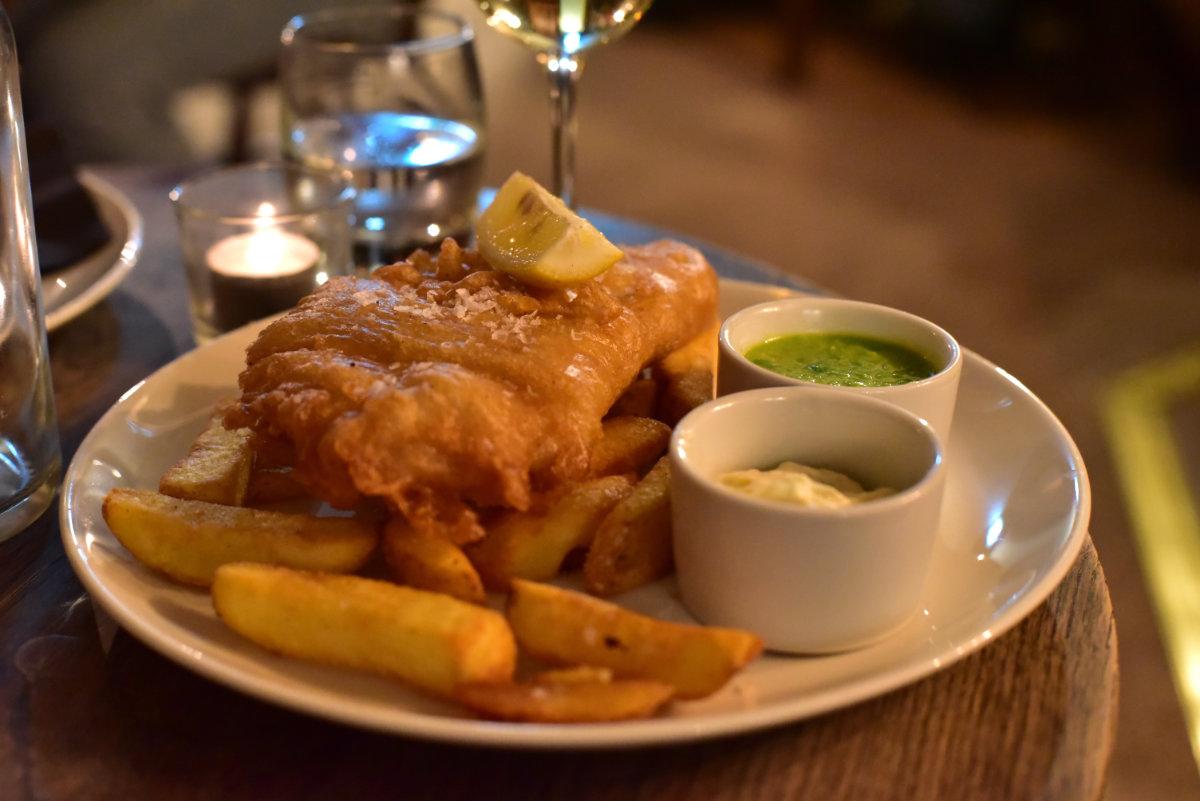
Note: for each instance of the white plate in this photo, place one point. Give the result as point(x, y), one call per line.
point(69, 292)
point(1015, 516)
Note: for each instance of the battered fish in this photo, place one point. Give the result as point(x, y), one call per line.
point(445, 387)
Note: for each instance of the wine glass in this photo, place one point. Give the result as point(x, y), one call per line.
point(560, 31)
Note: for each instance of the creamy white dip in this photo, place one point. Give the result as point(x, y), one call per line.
point(802, 485)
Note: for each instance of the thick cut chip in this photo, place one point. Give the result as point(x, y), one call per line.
point(189, 540)
point(430, 563)
point(685, 376)
point(273, 485)
point(427, 639)
point(632, 546)
point(629, 445)
point(639, 400)
point(580, 674)
point(216, 468)
point(534, 544)
point(570, 628)
point(555, 701)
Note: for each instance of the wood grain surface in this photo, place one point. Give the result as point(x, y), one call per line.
point(90, 713)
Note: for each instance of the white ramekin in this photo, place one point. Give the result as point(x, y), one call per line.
point(805, 580)
point(932, 398)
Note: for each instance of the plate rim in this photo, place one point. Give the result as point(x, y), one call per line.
point(127, 258)
point(551, 737)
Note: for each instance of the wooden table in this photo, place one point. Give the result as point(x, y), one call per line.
point(90, 713)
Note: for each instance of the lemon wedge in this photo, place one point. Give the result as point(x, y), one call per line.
point(530, 234)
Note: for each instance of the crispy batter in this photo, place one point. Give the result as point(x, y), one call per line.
point(443, 386)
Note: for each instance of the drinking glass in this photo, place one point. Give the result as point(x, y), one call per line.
point(29, 455)
point(560, 31)
point(259, 237)
point(390, 96)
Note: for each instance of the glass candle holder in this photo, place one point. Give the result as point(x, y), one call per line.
point(258, 238)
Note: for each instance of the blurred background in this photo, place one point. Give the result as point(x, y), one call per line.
point(1025, 173)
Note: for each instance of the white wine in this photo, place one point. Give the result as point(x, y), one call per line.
point(564, 27)
point(560, 31)
point(416, 176)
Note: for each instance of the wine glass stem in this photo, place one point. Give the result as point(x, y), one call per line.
point(564, 74)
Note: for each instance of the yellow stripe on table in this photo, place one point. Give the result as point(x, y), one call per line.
point(1162, 508)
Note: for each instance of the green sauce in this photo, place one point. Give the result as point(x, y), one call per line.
point(847, 360)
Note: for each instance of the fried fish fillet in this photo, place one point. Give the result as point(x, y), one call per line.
point(445, 387)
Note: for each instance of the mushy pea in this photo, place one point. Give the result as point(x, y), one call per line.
point(814, 487)
point(847, 360)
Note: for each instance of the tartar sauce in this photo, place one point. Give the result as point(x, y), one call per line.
point(803, 485)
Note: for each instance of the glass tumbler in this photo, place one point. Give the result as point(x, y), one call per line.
point(259, 237)
point(29, 454)
point(390, 96)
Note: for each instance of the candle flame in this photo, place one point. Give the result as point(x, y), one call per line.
point(263, 253)
point(266, 251)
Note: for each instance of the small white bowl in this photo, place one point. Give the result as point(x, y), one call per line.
point(805, 580)
point(931, 398)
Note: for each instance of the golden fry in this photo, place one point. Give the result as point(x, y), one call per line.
point(430, 563)
point(629, 445)
point(427, 639)
point(216, 468)
point(273, 486)
point(189, 540)
point(534, 544)
point(686, 376)
point(684, 393)
point(639, 400)
point(584, 701)
point(633, 545)
point(580, 674)
point(571, 628)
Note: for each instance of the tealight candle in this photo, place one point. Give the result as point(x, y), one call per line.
point(259, 273)
point(256, 238)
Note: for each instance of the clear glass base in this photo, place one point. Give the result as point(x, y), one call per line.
point(16, 515)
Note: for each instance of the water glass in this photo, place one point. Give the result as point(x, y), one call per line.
point(259, 237)
point(390, 96)
point(29, 453)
